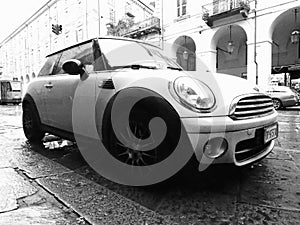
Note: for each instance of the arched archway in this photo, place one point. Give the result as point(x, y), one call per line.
point(185, 50)
point(230, 43)
point(33, 75)
point(285, 53)
point(27, 79)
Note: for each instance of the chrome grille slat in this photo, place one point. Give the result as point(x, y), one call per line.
point(252, 112)
point(254, 100)
point(269, 104)
point(252, 106)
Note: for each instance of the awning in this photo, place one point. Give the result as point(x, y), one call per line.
point(293, 70)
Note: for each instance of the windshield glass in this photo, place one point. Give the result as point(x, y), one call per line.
point(120, 53)
point(16, 86)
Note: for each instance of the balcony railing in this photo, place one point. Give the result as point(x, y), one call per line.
point(221, 6)
point(147, 26)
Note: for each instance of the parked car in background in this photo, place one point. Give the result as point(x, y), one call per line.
point(282, 96)
point(202, 103)
point(10, 92)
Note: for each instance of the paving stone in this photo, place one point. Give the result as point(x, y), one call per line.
point(41, 215)
point(296, 158)
point(287, 127)
point(286, 137)
point(286, 145)
point(280, 154)
point(147, 197)
point(12, 187)
point(279, 195)
point(272, 171)
point(96, 203)
point(34, 164)
point(251, 214)
point(198, 207)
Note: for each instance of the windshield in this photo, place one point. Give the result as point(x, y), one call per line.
point(16, 86)
point(121, 53)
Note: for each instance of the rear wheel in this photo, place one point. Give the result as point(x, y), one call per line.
point(31, 124)
point(276, 103)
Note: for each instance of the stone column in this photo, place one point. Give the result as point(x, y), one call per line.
point(208, 58)
point(264, 62)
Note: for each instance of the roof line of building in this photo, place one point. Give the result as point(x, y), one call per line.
point(36, 14)
point(27, 22)
point(145, 5)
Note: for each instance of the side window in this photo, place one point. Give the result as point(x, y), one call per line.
point(84, 53)
point(49, 65)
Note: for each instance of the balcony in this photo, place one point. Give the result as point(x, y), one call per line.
point(220, 9)
point(146, 27)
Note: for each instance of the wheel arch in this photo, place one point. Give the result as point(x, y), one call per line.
point(278, 99)
point(28, 99)
point(155, 103)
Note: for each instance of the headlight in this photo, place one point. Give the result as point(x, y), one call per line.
point(194, 94)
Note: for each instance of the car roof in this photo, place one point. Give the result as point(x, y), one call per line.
point(106, 37)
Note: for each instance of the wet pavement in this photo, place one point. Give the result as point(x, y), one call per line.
point(50, 183)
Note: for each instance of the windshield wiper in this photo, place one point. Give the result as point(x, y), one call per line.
point(174, 68)
point(137, 67)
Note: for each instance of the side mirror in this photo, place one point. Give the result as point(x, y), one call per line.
point(73, 67)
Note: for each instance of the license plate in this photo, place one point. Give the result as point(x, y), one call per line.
point(271, 133)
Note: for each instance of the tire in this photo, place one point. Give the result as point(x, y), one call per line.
point(277, 103)
point(31, 123)
point(139, 126)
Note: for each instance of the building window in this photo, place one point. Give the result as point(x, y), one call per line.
point(181, 7)
point(79, 35)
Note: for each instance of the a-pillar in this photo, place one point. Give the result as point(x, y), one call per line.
point(259, 71)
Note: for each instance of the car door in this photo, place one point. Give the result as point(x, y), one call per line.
point(63, 87)
point(43, 86)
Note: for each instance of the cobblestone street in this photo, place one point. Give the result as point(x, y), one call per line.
point(50, 183)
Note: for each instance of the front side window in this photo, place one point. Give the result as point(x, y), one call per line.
point(83, 53)
point(181, 7)
point(49, 65)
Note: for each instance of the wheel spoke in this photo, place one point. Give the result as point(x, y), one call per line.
point(124, 153)
point(148, 155)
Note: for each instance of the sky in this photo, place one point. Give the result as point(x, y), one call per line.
point(15, 12)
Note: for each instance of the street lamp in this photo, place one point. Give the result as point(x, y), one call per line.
point(230, 45)
point(295, 36)
point(185, 55)
point(295, 33)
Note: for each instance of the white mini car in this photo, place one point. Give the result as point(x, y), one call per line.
point(224, 118)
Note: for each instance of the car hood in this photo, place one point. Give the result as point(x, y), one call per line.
point(225, 87)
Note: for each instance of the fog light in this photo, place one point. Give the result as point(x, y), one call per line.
point(215, 147)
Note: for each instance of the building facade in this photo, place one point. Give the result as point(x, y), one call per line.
point(252, 39)
point(246, 38)
point(23, 52)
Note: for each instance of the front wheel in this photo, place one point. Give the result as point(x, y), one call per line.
point(138, 136)
point(276, 103)
point(31, 124)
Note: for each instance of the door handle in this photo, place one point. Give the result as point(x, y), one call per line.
point(49, 85)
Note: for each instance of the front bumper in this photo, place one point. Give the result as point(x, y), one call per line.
point(14, 101)
point(245, 138)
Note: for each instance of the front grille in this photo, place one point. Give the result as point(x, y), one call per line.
point(252, 106)
point(250, 148)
